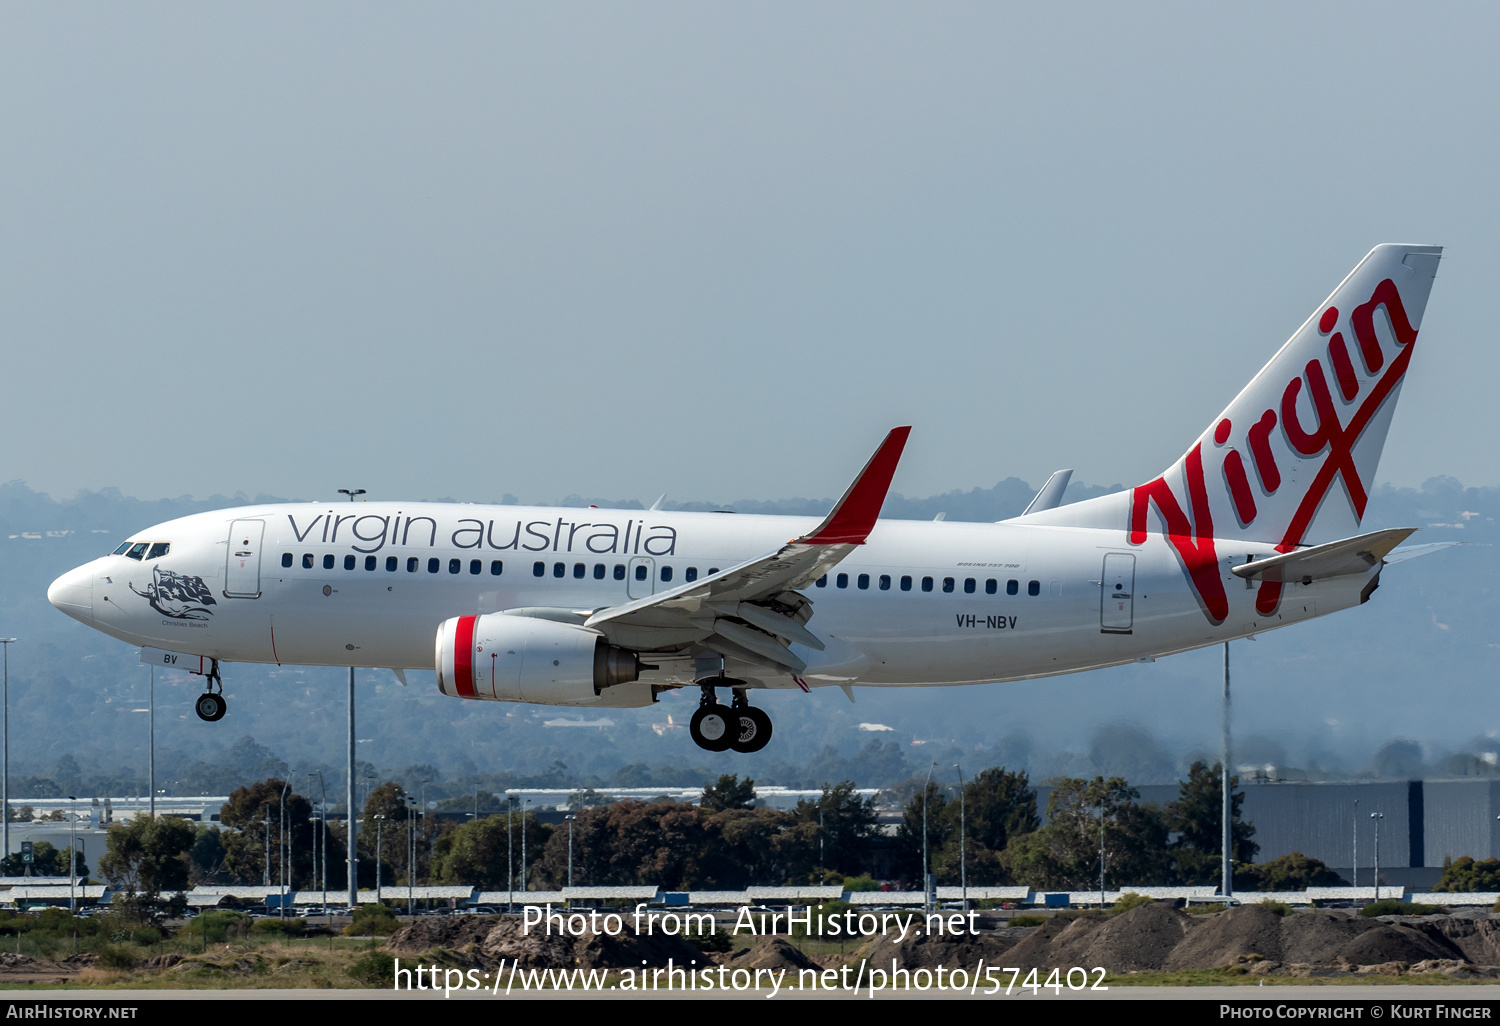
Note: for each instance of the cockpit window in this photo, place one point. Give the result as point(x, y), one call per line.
point(121, 550)
point(138, 550)
point(159, 549)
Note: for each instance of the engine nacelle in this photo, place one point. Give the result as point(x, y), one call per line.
point(504, 658)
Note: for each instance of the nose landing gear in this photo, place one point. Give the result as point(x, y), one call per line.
point(210, 705)
point(742, 727)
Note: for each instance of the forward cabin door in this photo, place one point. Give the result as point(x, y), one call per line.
point(242, 568)
point(1117, 594)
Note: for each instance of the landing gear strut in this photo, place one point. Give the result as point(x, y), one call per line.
point(742, 727)
point(210, 705)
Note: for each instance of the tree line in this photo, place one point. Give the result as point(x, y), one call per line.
point(990, 833)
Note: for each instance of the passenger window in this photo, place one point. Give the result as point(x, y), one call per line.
point(927, 584)
point(307, 560)
point(712, 570)
point(598, 571)
point(991, 586)
point(411, 564)
point(433, 564)
point(159, 550)
point(1034, 587)
point(138, 550)
point(476, 566)
point(496, 567)
point(906, 582)
point(947, 584)
point(391, 564)
point(640, 572)
point(539, 569)
point(371, 562)
point(286, 559)
point(690, 574)
point(885, 582)
point(842, 580)
point(1012, 587)
point(328, 561)
point(822, 582)
point(559, 569)
point(349, 562)
point(619, 571)
point(864, 582)
point(666, 573)
point(968, 585)
point(579, 571)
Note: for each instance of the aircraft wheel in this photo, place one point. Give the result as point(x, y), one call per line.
point(711, 728)
point(210, 707)
point(755, 729)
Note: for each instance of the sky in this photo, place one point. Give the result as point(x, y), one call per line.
point(713, 250)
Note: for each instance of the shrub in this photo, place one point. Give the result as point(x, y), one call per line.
point(375, 968)
point(1128, 901)
point(279, 927)
point(372, 921)
point(1398, 908)
point(1027, 920)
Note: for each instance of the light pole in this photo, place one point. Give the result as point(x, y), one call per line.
point(1101, 851)
point(510, 859)
point(151, 755)
point(352, 855)
point(1354, 872)
point(5, 759)
point(411, 854)
point(281, 847)
point(323, 820)
point(379, 822)
point(1377, 817)
point(72, 853)
point(1227, 886)
point(524, 802)
point(926, 877)
point(963, 839)
point(571, 817)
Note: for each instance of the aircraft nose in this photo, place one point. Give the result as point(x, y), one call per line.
point(73, 593)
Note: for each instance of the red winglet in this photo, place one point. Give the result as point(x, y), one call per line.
point(854, 515)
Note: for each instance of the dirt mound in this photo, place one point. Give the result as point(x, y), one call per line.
point(773, 953)
point(1478, 940)
point(1143, 938)
point(1318, 935)
point(485, 941)
point(1386, 942)
point(1230, 937)
point(924, 951)
point(453, 933)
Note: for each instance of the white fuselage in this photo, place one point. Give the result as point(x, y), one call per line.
point(920, 603)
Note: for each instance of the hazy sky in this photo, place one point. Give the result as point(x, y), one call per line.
point(718, 249)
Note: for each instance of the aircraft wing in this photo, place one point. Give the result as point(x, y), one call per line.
point(753, 611)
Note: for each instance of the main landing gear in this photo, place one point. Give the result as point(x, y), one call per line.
point(210, 705)
point(741, 727)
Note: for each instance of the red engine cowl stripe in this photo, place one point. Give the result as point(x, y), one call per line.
point(463, 657)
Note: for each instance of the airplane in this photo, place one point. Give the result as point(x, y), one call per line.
point(1254, 527)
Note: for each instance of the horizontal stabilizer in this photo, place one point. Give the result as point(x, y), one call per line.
point(1406, 552)
point(1333, 559)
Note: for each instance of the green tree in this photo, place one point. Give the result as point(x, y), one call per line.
point(839, 823)
point(729, 793)
point(388, 808)
point(1294, 872)
point(46, 861)
point(1465, 874)
point(1197, 816)
point(1064, 854)
point(149, 856)
point(254, 816)
point(909, 832)
point(476, 853)
point(664, 843)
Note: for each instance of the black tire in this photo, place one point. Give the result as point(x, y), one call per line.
point(712, 728)
point(210, 707)
point(755, 729)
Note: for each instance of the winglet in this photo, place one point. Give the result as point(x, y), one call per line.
point(854, 515)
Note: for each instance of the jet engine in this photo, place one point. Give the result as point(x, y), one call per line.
point(505, 658)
